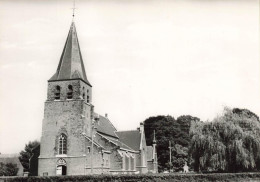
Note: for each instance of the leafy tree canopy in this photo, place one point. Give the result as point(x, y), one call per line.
point(8, 169)
point(168, 129)
point(229, 143)
point(26, 154)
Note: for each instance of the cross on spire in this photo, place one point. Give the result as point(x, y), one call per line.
point(73, 9)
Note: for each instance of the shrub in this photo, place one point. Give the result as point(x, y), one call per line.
point(8, 169)
point(142, 178)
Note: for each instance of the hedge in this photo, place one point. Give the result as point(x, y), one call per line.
point(142, 178)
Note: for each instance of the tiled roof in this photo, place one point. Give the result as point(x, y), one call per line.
point(118, 143)
point(94, 141)
point(131, 138)
point(104, 126)
point(71, 63)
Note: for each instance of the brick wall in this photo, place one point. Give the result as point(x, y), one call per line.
point(79, 89)
point(70, 117)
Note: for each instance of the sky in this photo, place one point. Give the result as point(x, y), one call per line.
point(143, 58)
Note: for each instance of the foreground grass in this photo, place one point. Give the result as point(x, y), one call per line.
point(220, 177)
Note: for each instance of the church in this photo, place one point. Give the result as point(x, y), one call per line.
point(77, 141)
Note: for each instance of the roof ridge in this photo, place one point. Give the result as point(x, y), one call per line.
point(126, 130)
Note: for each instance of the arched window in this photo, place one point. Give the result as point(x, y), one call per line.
point(127, 162)
point(87, 96)
point(57, 92)
point(70, 92)
point(83, 91)
point(63, 144)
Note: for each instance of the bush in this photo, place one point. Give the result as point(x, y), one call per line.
point(142, 178)
point(8, 169)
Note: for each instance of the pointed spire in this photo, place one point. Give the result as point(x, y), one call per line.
point(154, 140)
point(71, 64)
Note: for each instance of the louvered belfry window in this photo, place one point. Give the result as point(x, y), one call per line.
point(83, 95)
point(57, 92)
point(63, 144)
point(70, 92)
point(87, 96)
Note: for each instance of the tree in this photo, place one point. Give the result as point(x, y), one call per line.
point(26, 154)
point(2, 169)
point(180, 156)
point(246, 119)
point(185, 122)
point(228, 143)
point(245, 112)
point(168, 129)
point(8, 169)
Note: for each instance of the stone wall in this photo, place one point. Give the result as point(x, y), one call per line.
point(80, 90)
point(71, 117)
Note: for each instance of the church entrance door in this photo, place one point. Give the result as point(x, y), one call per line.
point(61, 170)
point(61, 167)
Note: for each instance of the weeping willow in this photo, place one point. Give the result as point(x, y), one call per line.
point(223, 145)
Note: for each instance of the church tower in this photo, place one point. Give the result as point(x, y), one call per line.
point(68, 114)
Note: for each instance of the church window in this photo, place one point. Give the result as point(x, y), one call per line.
point(63, 144)
point(87, 95)
point(91, 112)
point(70, 92)
point(83, 95)
point(57, 92)
point(127, 162)
point(132, 163)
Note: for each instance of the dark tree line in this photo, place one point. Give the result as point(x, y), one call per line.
point(8, 169)
point(27, 153)
point(167, 128)
point(228, 143)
